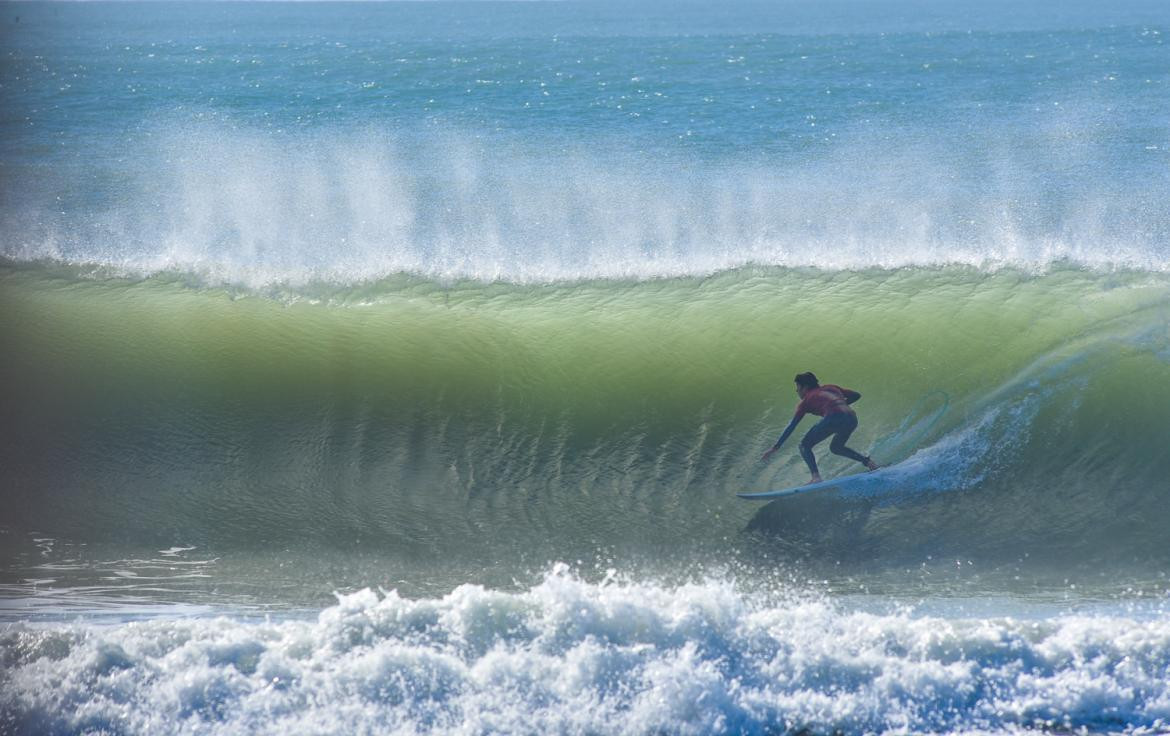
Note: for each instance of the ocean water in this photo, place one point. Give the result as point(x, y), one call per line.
point(393, 367)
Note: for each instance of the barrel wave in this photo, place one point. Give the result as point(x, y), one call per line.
point(534, 420)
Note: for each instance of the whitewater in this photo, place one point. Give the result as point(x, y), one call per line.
point(393, 367)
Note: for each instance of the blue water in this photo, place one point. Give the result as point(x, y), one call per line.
point(473, 314)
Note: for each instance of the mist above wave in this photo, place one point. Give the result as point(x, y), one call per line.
point(247, 206)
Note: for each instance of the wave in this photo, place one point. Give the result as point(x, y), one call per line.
point(612, 657)
point(496, 419)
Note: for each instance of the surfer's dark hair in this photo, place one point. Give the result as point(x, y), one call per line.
point(807, 380)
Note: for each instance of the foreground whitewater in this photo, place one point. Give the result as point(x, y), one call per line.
point(613, 657)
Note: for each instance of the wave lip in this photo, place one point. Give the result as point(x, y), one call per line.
point(614, 657)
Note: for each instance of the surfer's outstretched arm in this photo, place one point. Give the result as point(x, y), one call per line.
point(787, 431)
point(850, 395)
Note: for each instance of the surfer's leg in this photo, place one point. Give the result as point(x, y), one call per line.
point(809, 458)
point(845, 427)
point(818, 433)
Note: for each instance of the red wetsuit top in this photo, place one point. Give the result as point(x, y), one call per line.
point(822, 401)
point(825, 400)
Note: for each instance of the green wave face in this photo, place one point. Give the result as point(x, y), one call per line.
point(475, 419)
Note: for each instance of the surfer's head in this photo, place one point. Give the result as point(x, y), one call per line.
point(805, 382)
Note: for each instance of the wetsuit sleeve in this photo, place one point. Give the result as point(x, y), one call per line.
point(850, 395)
point(791, 426)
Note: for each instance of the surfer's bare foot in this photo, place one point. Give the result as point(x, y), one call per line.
point(816, 478)
point(869, 463)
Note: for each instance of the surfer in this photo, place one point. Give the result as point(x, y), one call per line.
point(832, 403)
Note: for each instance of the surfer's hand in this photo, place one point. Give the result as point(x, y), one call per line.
point(767, 454)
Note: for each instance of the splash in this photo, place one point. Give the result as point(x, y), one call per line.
point(609, 657)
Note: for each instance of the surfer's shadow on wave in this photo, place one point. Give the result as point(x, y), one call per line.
point(813, 524)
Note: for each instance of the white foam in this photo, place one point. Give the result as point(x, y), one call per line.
point(568, 656)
